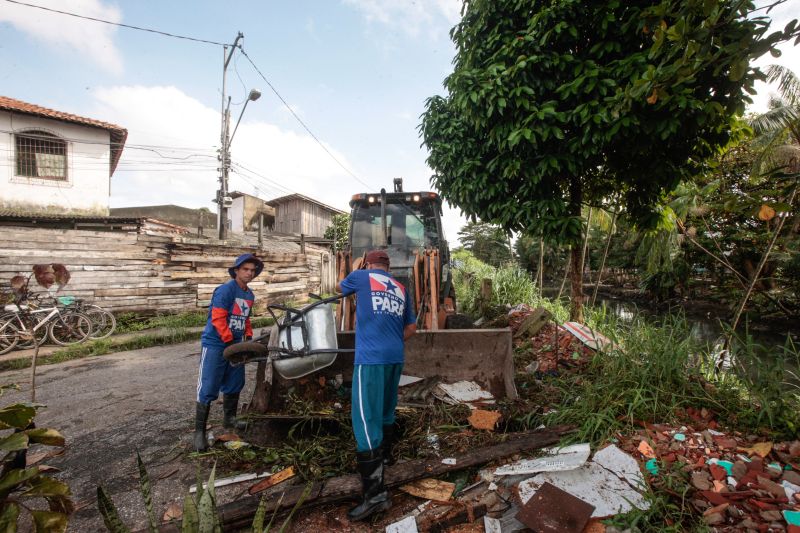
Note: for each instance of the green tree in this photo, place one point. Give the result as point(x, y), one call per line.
point(339, 230)
point(487, 242)
point(557, 104)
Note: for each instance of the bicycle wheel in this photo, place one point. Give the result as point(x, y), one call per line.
point(25, 330)
point(103, 322)
point(9, 336)
point(70, 328)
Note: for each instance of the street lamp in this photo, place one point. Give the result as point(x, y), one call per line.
point(254, 95)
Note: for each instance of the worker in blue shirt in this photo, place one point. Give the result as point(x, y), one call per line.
point(228, 323)
point(384, 321)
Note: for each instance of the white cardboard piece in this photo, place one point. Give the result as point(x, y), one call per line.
point(557, 459)
point(611, 481)
point(406, 525)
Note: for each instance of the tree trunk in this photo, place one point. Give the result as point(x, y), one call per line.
point(576, 256)
point(605, 255)
point(540, 277)
point(576, 280)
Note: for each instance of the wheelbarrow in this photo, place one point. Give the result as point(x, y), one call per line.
point(301, 342)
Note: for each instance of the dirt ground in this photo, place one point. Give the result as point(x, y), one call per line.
point(108, 407)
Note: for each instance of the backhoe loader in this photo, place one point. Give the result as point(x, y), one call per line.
point(407, 225)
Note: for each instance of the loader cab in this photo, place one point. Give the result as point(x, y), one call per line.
point(413, 223)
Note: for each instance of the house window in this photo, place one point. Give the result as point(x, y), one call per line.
point(41, 155)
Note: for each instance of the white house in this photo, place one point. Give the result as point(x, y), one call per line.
point(55, 162)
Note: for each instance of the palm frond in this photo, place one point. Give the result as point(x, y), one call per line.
point(788, 83)
point(777, 118)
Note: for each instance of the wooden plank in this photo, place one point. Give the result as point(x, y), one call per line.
point(240, 513)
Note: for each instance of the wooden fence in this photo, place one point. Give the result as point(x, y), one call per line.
point(137, 271)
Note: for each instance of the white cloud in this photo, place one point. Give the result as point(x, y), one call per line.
point(409, 15)
point(178, 126)
point(87, 38)
point(790, 55)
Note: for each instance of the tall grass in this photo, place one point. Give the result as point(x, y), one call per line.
point(657, 370)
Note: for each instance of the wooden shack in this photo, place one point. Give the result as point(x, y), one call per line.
point(297, 214)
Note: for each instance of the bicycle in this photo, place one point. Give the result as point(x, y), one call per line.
point(103, 321)
point(20, 326)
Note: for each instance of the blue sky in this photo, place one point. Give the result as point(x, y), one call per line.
point(357, 72)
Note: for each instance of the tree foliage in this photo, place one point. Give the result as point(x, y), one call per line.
point(553, 104)
point(339, 230)
point(487, 242)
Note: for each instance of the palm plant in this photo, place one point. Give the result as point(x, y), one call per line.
point(778, 129)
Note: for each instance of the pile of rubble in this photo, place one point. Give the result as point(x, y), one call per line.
point(738, 482)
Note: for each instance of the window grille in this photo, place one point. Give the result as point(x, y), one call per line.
point(41, 155)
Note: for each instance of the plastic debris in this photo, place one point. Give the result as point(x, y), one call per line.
point(652, 466)
point(449, 461)
point(588, 336)
point(236, 444)
point(611, 482)
point(557, 459)
point(792, 517)
point(680, 437)
point(222, 482)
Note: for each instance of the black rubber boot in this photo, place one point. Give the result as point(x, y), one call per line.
point(374, 496)
point(201, 417)
point(389, 440)
point(230, 404)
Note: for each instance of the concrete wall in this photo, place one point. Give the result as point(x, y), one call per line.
point(87, 187)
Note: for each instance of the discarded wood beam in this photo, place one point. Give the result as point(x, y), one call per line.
point(533, 323)
point(240, 513)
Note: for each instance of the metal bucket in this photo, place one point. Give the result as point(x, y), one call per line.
point(306, 341)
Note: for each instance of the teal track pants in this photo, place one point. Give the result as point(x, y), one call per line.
point(373, 401)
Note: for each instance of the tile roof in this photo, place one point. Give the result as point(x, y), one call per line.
point(118, 134)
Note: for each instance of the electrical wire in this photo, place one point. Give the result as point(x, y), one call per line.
point(274, 90)
point(130, 27)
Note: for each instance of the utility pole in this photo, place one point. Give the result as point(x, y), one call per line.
point(224, 153)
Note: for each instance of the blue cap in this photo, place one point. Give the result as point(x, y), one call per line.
point(244, 258)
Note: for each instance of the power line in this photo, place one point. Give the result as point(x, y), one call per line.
point(274, 90)
point(117, 23)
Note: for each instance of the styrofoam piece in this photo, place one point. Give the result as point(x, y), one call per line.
point(466, 392)
point(557, 459)
point(611, 481)
point(408, 380)
point(491, 525)
point(406, 525)
point(449, 461)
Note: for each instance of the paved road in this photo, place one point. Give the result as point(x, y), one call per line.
point(107, 407)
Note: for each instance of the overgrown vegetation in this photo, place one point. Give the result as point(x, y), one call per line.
point(22, 488)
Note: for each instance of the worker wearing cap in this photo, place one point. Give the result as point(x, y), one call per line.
point(384, 321)
point(228, 323)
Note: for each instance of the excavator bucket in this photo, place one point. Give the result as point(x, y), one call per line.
point(484, 356)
